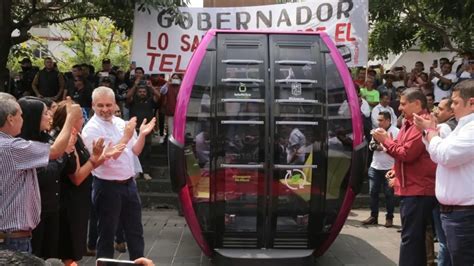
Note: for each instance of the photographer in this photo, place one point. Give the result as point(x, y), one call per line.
point(401, 76)
point(381, 164)
point(443, 82)
point(466, 69)
point(415, 77)
point(142, 102)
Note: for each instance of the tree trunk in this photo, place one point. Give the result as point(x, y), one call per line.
point(5, 37)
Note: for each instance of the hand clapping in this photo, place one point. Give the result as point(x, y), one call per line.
point(426, 122)
point(147, 128)
point(380, 135)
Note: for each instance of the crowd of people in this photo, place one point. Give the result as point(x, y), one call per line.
point(71, 147)
point(421, 131)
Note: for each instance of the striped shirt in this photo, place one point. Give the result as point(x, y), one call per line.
point(20, 202)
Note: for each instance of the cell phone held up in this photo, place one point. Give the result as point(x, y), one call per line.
point(112, 262)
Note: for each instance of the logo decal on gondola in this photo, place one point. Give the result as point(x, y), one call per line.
point(242, 91)
point(296, 89)
point(298, 178)
point(242, 88)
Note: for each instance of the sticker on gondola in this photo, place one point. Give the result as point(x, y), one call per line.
point(242, 178)
point(242, 88)
point(296, 89)
point(295, 177)
point(242, 91)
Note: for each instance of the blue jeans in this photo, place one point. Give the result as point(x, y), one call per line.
point(116, 202)
point(22, 244)
point(377, 179)
point(459, 229)
point(444, 258)
point(416, 213)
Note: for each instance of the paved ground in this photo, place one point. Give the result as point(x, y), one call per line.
point(168, 241)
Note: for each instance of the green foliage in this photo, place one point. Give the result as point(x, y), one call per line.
point(92, 40)
point(20, 51)
point(431, 24)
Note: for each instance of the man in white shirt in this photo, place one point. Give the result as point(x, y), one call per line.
point(364, 108)
point(454, 174)
point(443, 82)
point(114, 191)
point(381, 164)
point(344, 111)
point(383, 106)
point(446, 123)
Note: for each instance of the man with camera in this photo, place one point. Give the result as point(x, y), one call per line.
point(381, 164)
point(142, 101)
point(443, 82)
point(105, 72)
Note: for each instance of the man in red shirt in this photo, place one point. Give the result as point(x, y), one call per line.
point(414, 174)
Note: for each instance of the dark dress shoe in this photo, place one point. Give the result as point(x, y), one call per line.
point(388, 223)
point(370, 220)
point(120, 247)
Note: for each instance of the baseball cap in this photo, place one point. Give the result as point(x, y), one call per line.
point(25, 60)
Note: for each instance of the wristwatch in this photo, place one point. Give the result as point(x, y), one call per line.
point(428, 130)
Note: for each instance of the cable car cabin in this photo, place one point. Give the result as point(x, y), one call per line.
point(267, 152)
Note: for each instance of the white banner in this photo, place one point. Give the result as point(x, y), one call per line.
point(161, 46)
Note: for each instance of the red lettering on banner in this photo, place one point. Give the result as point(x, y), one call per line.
point(321, 28)
point(195, 43)
point(152, 60)
point(348, 33)
point(185, 43)
point(339, 31)
point(148, 40)
point(178, 65)
point(163, 41)
point(343, 29)
point(164, 63)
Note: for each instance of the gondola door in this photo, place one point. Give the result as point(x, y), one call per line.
point(267, 128)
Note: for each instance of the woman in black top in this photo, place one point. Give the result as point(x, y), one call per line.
point(75, 198)
point(36, 123)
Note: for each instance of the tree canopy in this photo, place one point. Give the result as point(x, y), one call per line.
point(17, 17)
point(430, 24)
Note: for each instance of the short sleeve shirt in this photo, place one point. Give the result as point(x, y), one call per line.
point(370, 96)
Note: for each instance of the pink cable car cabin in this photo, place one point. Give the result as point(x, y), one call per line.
point(267, 152)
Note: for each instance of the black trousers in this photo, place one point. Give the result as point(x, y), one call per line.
point(115, 202)
point(416, 212)
point(459, 228)
point(161, 122)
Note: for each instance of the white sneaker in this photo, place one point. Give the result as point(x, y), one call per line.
point(147, 176)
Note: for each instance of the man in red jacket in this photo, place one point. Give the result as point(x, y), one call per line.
point(414, 174)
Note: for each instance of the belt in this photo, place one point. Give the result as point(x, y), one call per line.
point(15, 234)
point(451, 208)
point(122, 182)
